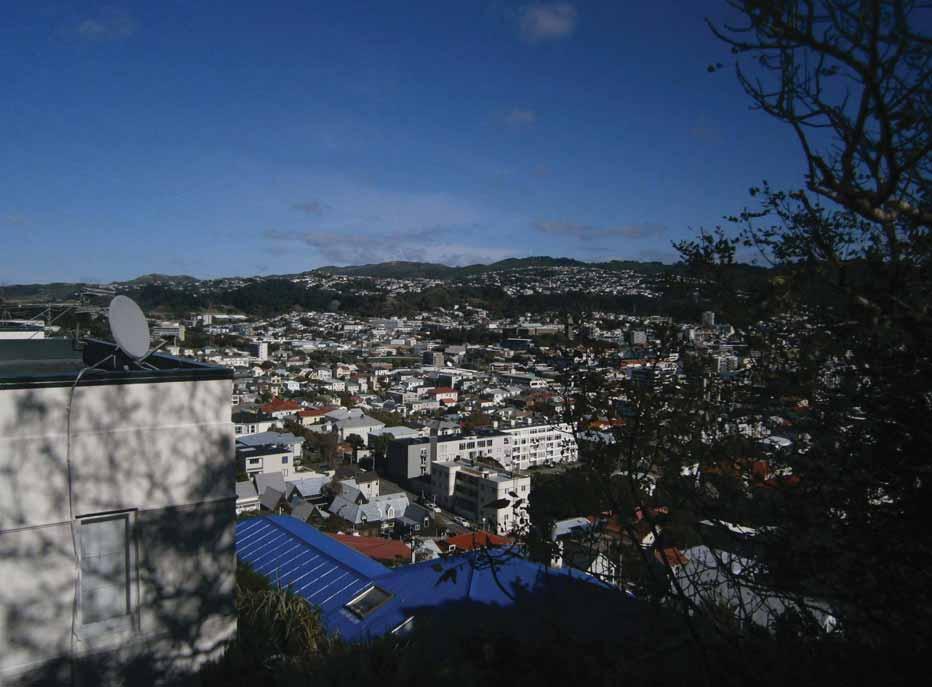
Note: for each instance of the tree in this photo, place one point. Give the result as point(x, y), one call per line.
point(327, 444)
point(357, 442)
point(847, 307)
point(840, 329)
point(852, 81)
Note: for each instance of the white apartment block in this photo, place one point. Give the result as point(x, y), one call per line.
point(540, 444)
point(467, 489)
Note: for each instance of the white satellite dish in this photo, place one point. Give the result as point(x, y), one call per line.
point(129, 327)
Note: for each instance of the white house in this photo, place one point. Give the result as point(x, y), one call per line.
point(266, 459)
point(245, 423)
point(360, 426)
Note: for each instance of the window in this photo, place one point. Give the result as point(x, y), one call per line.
point(107, 562)
point(367, 602)
point(284, 460)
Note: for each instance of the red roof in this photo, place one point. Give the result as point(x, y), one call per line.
point(316, 412)
point(376, 547)
point(277, 405)
point(476, 540)
point(671, 556)
point(442, 390)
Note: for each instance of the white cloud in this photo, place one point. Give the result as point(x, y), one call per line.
point(110, 24)
point(547, 21)
point(310, 207)
point(520, 117)
point(587, 232)
point(423, 245)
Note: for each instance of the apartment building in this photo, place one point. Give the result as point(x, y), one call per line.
point(472, 488)
point(410, 458)
point(540, 444)
point(116, 513)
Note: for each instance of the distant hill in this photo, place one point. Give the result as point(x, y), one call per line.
point(428, 270)
point(398, 269)
point(31, 292)
point(161, 279)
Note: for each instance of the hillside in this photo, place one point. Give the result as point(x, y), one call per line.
point(428, 270)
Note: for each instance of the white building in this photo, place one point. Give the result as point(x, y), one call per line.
point(245, 423)
point(12, 330)
point(360, 426)
point(540, 444)
point(266, 459)
point(169, 330)
point(468, 489)
point(116, 512)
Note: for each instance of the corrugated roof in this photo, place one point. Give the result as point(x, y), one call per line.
point(379, 548)
point(476, 540)
point(315, 567)
point(329, 575)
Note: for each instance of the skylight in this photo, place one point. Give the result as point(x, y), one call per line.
point(367, 602)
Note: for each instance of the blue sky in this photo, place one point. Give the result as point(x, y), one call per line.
point(240, 138)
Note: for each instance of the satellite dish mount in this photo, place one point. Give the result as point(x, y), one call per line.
point(130, 330)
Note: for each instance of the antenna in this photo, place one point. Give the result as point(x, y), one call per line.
point(129, 327)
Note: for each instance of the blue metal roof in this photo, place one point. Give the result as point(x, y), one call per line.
point(315, 567)
point(330, 575)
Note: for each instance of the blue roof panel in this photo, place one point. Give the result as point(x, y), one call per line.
point(315, 567)
point(329, 575)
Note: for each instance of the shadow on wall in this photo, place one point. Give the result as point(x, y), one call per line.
point(149, 596)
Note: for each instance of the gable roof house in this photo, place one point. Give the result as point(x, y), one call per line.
point(247, 498)
point(281, 408)
point(314, 416)
point(360, 426)
point(351, 505)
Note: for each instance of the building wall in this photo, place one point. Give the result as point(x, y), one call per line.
point(537, 444)
point(271, 462)
point(163, 451)
point(247, 428)
point(466, 491)
point(20, 334)
point(404, 461)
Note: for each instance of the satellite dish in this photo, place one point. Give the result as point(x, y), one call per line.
point(129, 327)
